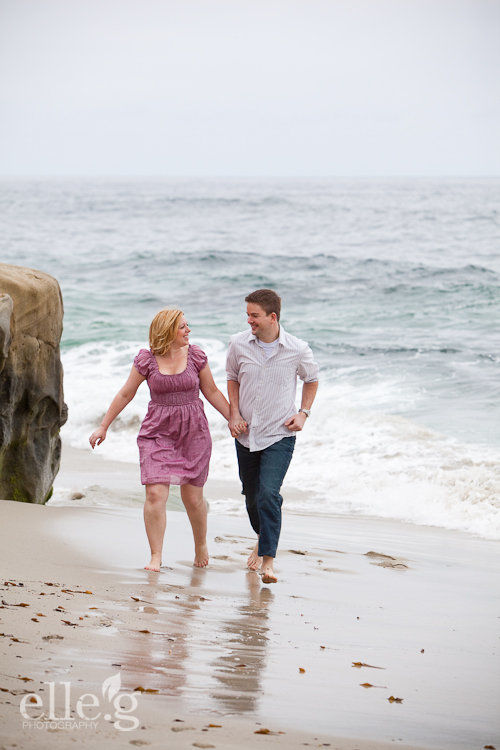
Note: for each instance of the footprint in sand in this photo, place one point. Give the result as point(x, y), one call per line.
point(338, 570)
point(386, 561)
point(222, 539)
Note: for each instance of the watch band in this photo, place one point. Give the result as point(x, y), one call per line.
point(307, 412)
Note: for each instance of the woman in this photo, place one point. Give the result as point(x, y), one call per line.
point(174, 440)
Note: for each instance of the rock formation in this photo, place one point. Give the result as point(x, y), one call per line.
point(32, 408)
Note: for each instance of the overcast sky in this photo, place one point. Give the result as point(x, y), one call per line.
point(249, 87)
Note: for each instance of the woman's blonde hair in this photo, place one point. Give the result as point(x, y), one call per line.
point(163, 330)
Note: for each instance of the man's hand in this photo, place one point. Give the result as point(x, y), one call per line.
point(296, 423)
point(237, 425)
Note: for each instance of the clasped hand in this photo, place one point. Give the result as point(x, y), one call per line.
point(237, 425)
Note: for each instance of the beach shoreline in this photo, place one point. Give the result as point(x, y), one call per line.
point(415, 604)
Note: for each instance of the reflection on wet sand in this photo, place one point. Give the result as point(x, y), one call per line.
point(239, 670)
point(156, 660)
point(182, 638)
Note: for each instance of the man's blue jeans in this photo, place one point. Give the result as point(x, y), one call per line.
point(262, 474)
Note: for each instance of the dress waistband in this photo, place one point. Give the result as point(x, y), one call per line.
point(176, 399)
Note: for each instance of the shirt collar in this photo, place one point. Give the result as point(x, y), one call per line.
point(282, 337)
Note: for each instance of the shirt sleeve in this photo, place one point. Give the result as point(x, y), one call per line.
point(142, 362)
point(232, 367)
point(200, 359)
point(307, 369)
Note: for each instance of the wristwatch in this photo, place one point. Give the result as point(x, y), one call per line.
point(307, 412)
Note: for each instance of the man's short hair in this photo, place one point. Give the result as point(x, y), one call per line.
point(267, 299)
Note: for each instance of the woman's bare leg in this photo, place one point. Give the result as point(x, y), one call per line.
point(155, 520)
point(196, 508)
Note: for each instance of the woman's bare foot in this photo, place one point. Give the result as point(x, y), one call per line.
point(201, 556)
point(254, 561)
point(155, 563)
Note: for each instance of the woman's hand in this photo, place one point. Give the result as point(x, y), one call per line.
point(97, 437)
point(237, 425)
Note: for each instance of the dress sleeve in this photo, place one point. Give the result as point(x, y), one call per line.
point(142, 362)
point(200, 359)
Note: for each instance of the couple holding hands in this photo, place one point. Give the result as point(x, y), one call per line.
point(174, 439)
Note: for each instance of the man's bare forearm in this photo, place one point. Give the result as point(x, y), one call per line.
point(233, 392)
point(308, 394)
point(296, 423)
point(237, 424)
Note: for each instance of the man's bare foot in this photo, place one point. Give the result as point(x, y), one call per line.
point(254, 561)
point(268, 575)
point(155, 563)
point(201, 556)
point(267, 572)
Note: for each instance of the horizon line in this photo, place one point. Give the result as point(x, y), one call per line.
point(151, 176)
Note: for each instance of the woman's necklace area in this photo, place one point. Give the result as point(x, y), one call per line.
point(172, 362)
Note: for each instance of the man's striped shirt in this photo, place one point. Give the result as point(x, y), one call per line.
point(268, 386)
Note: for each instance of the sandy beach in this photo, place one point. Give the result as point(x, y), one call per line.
point(378, 634)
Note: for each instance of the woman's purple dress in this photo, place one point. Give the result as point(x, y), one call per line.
point(174, 440)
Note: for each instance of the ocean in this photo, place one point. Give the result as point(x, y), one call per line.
point(395, 283)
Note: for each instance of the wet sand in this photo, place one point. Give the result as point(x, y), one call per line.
point(417, 607)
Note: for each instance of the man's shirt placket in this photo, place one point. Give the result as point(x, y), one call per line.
point(260, 359)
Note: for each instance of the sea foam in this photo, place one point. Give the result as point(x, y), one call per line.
point(355, 455)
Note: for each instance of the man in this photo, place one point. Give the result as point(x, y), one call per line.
point(262, 368)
